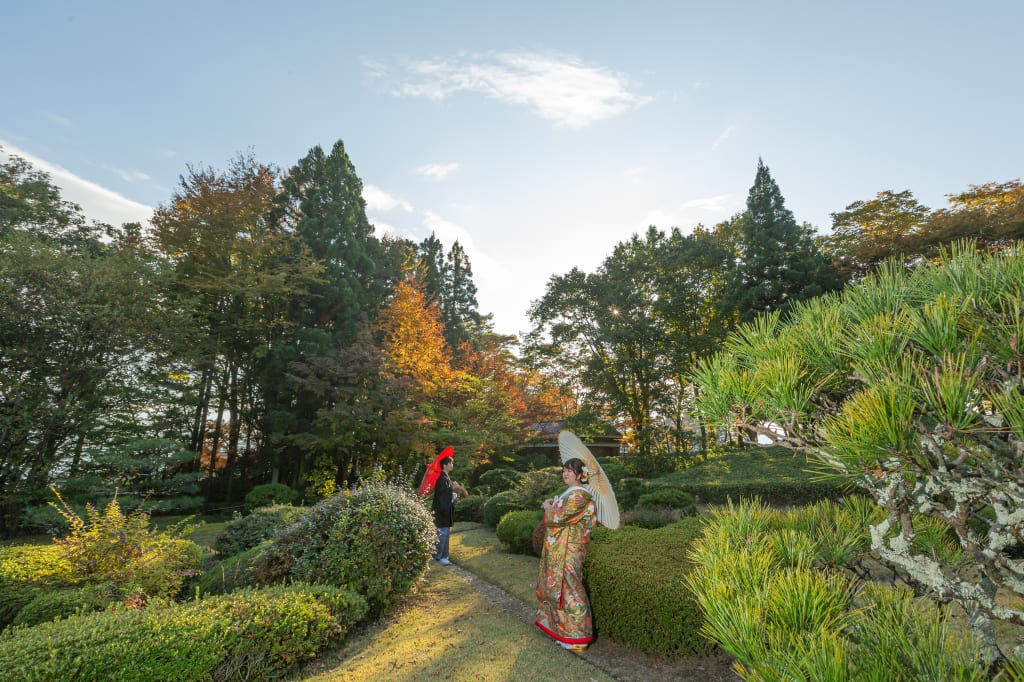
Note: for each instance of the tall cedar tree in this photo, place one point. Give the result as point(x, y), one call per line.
point(779, 261)
point(322, 203)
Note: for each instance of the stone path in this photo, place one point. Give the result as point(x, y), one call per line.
point(615, 660)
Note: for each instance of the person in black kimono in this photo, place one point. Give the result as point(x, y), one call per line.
point(443, 507)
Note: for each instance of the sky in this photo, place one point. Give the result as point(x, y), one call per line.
point(537, 134)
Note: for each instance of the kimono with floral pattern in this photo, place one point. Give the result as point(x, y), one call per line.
point(564, 612)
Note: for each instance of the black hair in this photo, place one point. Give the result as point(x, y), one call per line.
point(574, 465)
point(446, 461)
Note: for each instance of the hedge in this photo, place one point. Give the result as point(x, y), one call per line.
point(634, 578)
point(250, 634)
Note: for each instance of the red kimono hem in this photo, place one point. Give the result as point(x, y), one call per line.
point(559, 638)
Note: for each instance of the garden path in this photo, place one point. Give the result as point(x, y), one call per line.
point(612, 658)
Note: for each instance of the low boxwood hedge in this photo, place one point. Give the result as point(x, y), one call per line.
point(634, 578)
point(249, 634)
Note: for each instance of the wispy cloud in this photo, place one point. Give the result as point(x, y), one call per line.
point(128, 175)
point(718, 203)
point(97, 202)
point(379, 200)
point(558, 88)
point(726, 134)
point(437, 171)
point(57, 119)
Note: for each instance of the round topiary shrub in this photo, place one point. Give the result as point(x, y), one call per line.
point(268, 494)
point(515, 530)
point(245, 532)
point(635, 580)
point(498, 506)
point(667, 498)
point(376, 539)
point(499, 480)
point(470, 509)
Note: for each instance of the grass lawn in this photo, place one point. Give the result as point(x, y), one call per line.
point(476, 548)
point(449, 631)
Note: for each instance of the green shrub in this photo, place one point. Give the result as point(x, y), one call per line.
point(245, 532)
point(232, 573)
point(499, 480)
point(615, 470)
point(245, 635)
point(515, 530)
point(307, 535)
point(651, 518)
point(667, 498)
point(628, 490)
point(536, 486)
point(13, 598)
point(773, 474)
point(123, 549)
point(634, 578)
point(470, 509)
point(498, 506)
point(270, 494)
point(52, 604)
point(38, 564)
point(376, 539)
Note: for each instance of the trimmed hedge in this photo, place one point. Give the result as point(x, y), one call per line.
point(54, 604)
point(634, 578)
point(376, 539)
point(250, 634)
point(245, 532)
point(470, 509)
point(270, 494)
point(515, 530)
point(775, 475)
point(499, 505)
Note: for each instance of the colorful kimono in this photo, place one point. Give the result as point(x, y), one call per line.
point(564, 612)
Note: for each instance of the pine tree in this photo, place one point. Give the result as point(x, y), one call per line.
point(779, 261)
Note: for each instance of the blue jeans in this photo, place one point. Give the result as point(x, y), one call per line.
point(442, 543)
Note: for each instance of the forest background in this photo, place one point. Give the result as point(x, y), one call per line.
point(260, 331)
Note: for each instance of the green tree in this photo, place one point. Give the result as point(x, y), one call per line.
point(779, 263)
point(604, 328)
point(237, 271)
point(908, 384)
point(868, 232)
point(991, 215)
point(322, 203)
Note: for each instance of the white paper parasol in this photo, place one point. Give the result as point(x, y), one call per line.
point(600, 488)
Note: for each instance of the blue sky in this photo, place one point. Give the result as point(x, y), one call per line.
point(538, 134)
